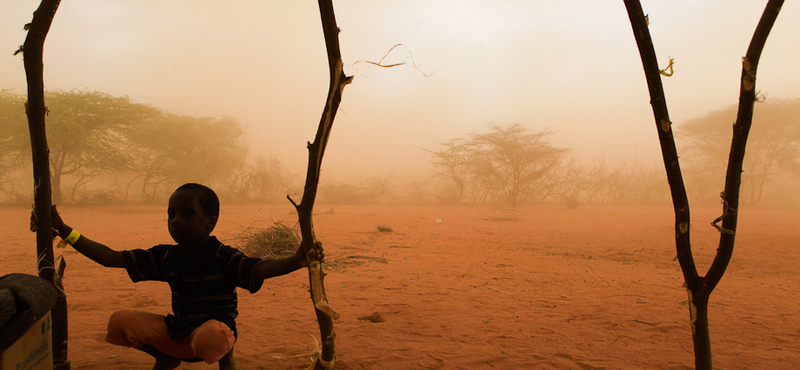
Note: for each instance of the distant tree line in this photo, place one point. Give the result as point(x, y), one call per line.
point(512, 164)
point(108, 148)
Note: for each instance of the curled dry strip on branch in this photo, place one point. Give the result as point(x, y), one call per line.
point(408, 61)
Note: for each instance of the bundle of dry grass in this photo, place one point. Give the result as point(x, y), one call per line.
point(278, 240)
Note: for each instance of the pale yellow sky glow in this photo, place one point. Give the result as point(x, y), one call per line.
point(571, 66)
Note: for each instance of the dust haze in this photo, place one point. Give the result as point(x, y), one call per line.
point(476, 263)
point(572, 70)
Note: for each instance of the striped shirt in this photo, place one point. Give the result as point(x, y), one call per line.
point(203, 281)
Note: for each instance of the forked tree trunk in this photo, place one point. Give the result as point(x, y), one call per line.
point(325, 315)
point(700, 287)
point(32, 54)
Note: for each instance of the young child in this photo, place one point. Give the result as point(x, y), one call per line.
point(202, 273)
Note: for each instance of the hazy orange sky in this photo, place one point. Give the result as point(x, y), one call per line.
point(570, 66)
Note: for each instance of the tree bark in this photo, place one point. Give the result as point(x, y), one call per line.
point(699, 288)
point(33, 53)
point(325, 315)
point(669, 152)
point(741, 130)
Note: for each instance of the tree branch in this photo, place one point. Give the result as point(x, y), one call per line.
point(700, 288)
point(316, 150)
point(669, 152)
point(741, 130)
point(33, 59)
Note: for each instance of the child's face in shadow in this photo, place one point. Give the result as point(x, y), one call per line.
point(187, 223)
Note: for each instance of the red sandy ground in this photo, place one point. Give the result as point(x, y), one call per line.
point(586, 288)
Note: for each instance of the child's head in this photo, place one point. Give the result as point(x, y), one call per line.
point(206, 197)
point(192, 213)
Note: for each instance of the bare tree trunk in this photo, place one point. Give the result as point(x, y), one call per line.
point(56, 184)
point(32, 53)
point(325, 315)
point(699, 288)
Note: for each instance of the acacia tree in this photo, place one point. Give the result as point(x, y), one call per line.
point(13, 124)
point(509, 162)
point(454, 159)
point(89, 133)
point(773, 144)
point(95, 134)
point(173, 149)
point(700, 287)
point(263, 180)
point(13, 143)
point(515, 161)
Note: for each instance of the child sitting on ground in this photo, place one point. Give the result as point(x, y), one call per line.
point(202, 274)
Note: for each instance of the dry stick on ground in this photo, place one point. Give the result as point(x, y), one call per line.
point(32, 55)
point(325, 315)
point(700, 287)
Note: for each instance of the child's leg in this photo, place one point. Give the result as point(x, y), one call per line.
point(212, 341)
point(227, 362)
point(135, 329)
point(163, 361)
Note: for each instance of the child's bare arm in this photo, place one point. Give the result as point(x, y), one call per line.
point(268, 268)
point(89, 248)
point(95, 251)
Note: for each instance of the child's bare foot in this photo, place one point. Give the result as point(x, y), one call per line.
point(227, 362)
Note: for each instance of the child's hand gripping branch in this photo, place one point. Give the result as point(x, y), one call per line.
point(268, 268)
point(95, 251)
point(202, 274)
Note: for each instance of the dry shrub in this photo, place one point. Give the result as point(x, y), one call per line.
point(342, 264)
point(375, 317)
point(276, 241)
point(502, 214)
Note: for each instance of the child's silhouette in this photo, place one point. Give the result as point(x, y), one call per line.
point(202, 273)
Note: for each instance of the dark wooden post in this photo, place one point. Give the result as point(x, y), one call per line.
point(700, 287)
point(325, 315)
point(32, 55)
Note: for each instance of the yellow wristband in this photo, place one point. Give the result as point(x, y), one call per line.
point(72, 237)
